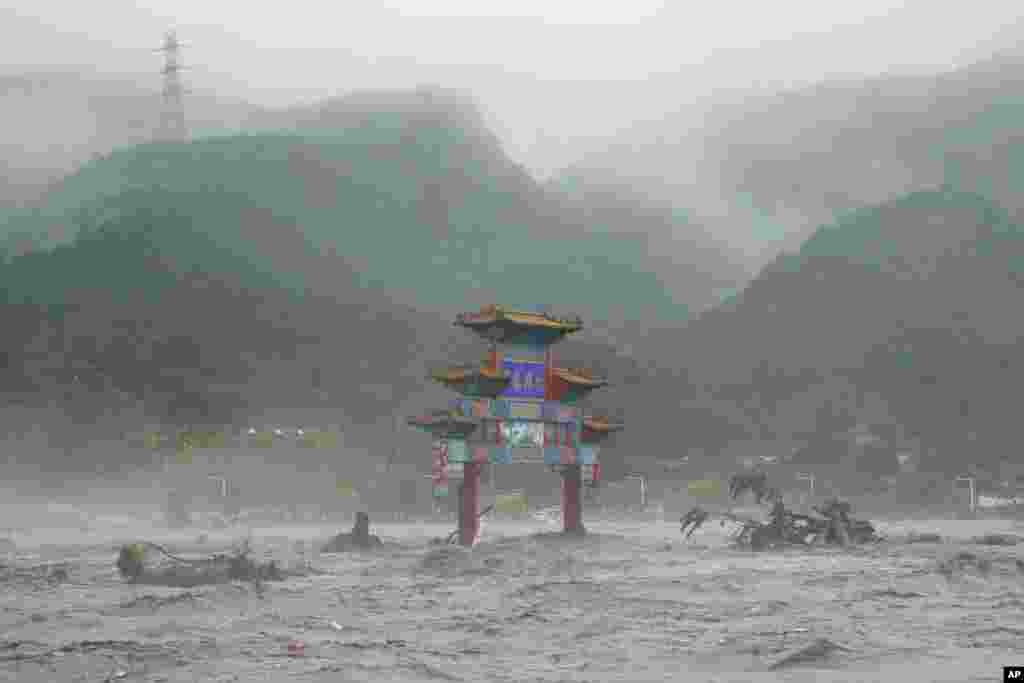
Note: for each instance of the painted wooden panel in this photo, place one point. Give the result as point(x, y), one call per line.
point(588, 455)
point(556, 412)
point(488, 453)
point(501, 455)
point(500, 409)
point(522, 434)
point(525, 410)
point(527, 379)
point(556, 455)
point(457, 451)
point(503, 409)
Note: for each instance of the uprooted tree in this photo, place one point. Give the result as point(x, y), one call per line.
point(833, 526)
point(784, 527)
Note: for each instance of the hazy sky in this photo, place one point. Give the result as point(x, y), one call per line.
point(537, 65)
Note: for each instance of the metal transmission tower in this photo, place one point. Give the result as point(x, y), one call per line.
point(172, 114)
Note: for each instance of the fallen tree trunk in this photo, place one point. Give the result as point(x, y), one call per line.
point(185, 573)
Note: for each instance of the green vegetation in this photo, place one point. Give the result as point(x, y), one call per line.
point(419, 210)
point(209, 281)
point(909, 302)
point(867, 237)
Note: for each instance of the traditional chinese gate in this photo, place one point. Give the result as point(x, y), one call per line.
point(516, 407)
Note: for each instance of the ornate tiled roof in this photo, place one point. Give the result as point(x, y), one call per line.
point(466, 373)
point(493, 315)
point(578, 377)
point(601, 425)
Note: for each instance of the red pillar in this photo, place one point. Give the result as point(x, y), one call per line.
point(548, 360)
point(572, 508)
point(469, 522)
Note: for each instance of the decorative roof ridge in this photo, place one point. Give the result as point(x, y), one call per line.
point(468, 369)
point(585, 373)
point(497, 313)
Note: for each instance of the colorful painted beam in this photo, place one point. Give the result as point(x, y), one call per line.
point(505, 409)
point(459, 451)
point(445, 424)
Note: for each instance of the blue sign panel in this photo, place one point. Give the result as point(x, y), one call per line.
point(527, 379)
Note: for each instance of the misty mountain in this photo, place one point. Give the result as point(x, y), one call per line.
point(899, 315)
point(414, 194)
point(143, 320)
point(55, 121)
point(231, 278)
point(767, 169)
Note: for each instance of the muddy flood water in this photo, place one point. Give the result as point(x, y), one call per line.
point(630, 602)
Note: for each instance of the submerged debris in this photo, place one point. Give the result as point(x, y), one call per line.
point(997, 539)
point(834, 526)
point(43, 574)
point(22, 650)
point(820, 649)
point(359, 538)
point(446, 559)
point(963, 561)
point(154, 602)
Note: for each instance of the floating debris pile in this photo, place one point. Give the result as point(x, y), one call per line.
point(833, 527)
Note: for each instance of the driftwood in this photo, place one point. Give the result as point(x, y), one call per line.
point(185, 573)
point(453, 535)
point(692, 521)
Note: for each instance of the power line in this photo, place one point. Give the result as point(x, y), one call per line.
point(172, 114)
